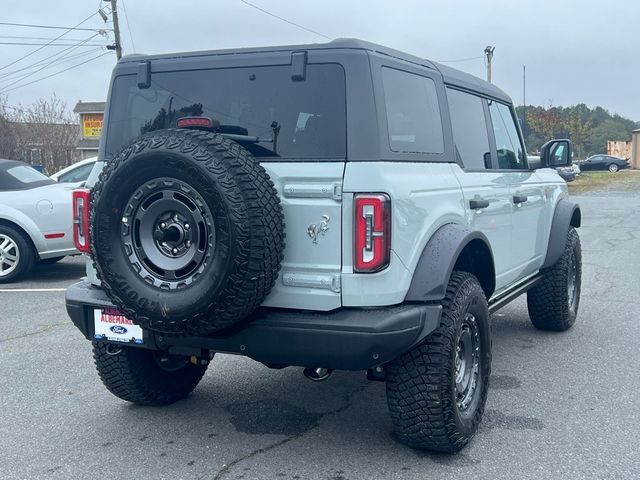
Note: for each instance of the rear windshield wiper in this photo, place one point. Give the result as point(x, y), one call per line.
point(232, 132)
point(275, 129)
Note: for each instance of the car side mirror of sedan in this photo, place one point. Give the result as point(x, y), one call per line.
point(557, 153)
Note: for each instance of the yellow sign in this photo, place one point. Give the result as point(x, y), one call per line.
point(92, 125)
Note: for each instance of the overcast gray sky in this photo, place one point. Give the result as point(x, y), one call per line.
point(575, 51)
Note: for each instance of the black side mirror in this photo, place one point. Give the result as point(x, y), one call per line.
point(534, 163)
point(557, 153)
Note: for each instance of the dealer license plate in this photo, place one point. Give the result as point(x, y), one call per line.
point(111, 324)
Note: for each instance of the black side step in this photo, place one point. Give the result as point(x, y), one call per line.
point(497, 303)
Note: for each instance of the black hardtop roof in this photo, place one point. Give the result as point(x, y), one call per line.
point(450, 75)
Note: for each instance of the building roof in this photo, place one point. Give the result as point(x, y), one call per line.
point(89, 107)
point(450, 75)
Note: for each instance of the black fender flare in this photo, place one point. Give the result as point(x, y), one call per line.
point(566, 214)
point(439, 257)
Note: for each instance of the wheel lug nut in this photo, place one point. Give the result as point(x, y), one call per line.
point(187, 226)
point(163, 225)
point(174, 251)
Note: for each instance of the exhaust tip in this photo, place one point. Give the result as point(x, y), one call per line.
point(317, 374)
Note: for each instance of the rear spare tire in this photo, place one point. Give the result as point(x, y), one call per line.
point(187, 232)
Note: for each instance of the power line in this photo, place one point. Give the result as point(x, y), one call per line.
point(56, 73)
point(13, 37)
point(8, 77)
point(69, 50)
point(285, 20)
point(50, 44)
point(126, 17)
point(460, 60)
point(55, 27)
point(37, 63)
point(43, 46)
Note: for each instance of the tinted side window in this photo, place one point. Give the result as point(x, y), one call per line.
point(469, 130)
point(510, 151)
point(413, 113)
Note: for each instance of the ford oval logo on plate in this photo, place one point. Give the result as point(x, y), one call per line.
point(119, 329)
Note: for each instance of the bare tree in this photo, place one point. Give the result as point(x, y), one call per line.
point(8, 140)
point(47, 133)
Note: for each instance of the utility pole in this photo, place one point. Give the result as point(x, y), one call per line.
point(488, 51)
point(116, 30)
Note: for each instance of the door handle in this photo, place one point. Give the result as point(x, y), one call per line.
point(478, 203)
point(519, 198)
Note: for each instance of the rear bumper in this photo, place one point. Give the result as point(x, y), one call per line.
point(345, 339)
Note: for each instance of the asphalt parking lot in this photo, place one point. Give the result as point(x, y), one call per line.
point(561, 406)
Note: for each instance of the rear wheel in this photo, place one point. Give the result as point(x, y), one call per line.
point(553, 303)
point(437, 391)
point(16, 254)
point(145, 377)
point(613, 168)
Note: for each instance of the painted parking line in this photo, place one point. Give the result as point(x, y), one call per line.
point(22, 290)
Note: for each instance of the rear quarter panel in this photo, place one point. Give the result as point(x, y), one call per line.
point(424, 196)
point(40, 211)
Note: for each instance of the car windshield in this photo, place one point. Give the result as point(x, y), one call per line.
point(307, 116)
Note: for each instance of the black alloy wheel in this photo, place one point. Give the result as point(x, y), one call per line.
point(168, 232)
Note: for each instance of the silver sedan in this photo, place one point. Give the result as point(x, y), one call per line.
point(36, 223)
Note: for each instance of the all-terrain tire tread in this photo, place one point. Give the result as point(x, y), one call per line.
point(419, 382)
point(254, 208)
point(547, 301)
point(133, 375)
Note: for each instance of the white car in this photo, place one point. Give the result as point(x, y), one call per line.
point(36, 221)
point(75, 174)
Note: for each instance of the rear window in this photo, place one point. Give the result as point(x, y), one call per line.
point(25, 174)
point(309, 115)
point(20, 176)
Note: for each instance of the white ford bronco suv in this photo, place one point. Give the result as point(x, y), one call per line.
point(329, 206)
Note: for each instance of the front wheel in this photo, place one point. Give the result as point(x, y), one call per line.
point(437, 391)
point(145, 377)
point(553, 303)
point(613, 168)
point(16, 254)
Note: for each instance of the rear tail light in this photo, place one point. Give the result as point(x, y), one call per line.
point(81, 219)
point(372, 229)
